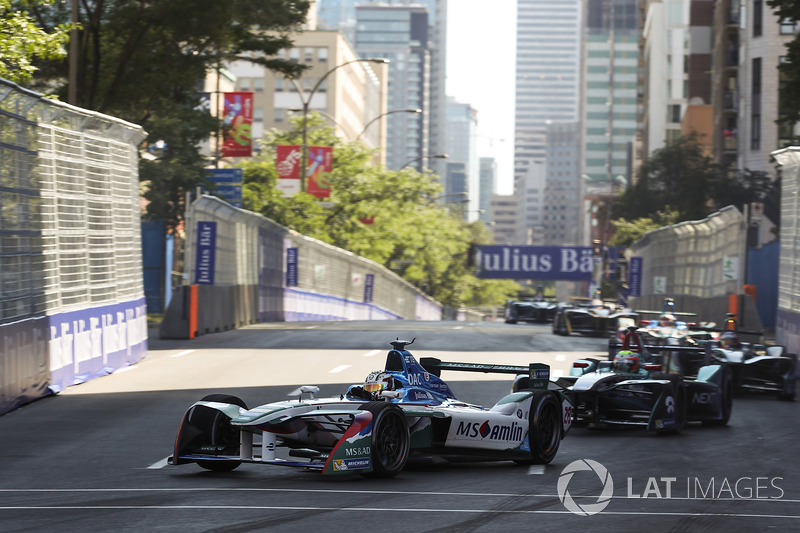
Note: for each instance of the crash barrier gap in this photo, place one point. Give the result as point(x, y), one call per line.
point(72, 300)
point(246, 268)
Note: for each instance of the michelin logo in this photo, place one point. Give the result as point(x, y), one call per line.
point(340, 465)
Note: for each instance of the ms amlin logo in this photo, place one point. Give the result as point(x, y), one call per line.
point(589, 508)
point(696, 488)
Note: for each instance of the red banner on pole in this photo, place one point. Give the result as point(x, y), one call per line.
point(320, 164)
point(238, 121)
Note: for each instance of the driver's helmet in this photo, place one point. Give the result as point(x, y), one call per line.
point(626, 361)
point(667, 321)
point(728, 341)
point(378, 381)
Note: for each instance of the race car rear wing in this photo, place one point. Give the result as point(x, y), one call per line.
point(539, 373)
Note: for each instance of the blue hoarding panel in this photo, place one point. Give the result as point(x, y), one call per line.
point(635, 277)
point(206, 251)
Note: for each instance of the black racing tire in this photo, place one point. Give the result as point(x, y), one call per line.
point(217, 431)
point(391, 439)
point(559, 327)
point(788, 383)
point(678, 393)
point(545, 428)
point(726, 394)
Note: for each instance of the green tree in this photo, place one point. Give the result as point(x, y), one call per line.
point(678, 177)
point(408, 232)
point(629, 231)
point(789, 103)
point(22, 40)
point(146, 62)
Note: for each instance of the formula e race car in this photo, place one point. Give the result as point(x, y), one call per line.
point(639, 388)
point(536, 310)
point(668, 330)
point(755, 367)
point(593, 317)
point(404, 410)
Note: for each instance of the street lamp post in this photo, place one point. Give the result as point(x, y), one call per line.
point(414, 111)
point(420, 158)
point(307, 102)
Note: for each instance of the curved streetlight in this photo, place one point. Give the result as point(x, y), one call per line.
point(420, 158)
point(414, 111)
point(307, 102)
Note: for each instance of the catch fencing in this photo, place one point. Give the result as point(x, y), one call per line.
point(71, 293)
point(787, 327)
point(699, 264)
point(255, 270)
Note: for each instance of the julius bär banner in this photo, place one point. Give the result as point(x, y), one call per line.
point(570, 263)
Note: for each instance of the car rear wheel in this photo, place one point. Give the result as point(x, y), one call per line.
point(391, 440)
point(788, 392)
point(677, 393)
point(726, 398)
point(217, 432)
point(544, 429)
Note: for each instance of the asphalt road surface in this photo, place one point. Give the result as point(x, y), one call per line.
point(93, 458)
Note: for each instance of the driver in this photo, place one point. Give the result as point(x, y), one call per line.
point(626, 361)
point(374, 384)
point(729, 341)
point(667, 321)
point(378, 381)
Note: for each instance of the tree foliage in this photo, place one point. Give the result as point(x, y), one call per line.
point(681, 179)
point(146, 62)
point(408, 230)
point(22, 41)
point(629, 231)
point(790, 67)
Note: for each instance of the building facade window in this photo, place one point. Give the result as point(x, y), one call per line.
point(758, 17)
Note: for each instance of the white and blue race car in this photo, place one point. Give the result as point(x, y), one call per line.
point(402, 411)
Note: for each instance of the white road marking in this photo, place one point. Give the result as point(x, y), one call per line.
point(373, 352)
point(384, 510)
point(560, 357)
point(310, 327)
point(124, 369)
point(339, 369)
point(181, 354)
point(160, 464)
point(536, 469)
point(459, 327)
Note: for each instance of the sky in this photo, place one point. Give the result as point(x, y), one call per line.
point(481, 41)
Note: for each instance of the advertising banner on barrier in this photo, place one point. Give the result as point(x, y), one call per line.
point(291, 267)
point(238, 121)
point(570, 263)
point(206, 252)
point(89, 343)
point(635, 277)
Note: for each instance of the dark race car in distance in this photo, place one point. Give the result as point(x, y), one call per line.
point(596, 317)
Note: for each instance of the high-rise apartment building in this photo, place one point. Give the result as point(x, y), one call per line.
point(488, 182)
point(547, 75)
point(610, 91)
point(563, 188)
point(462, 139)
point(417, 71)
